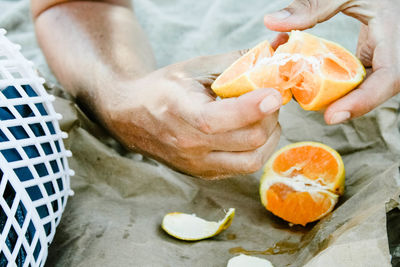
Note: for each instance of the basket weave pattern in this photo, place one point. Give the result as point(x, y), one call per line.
point(34, 172)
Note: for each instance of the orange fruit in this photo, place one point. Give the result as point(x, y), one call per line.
point(314, 70)
point(302, 182)
point(235, 80)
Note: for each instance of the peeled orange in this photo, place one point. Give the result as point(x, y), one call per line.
point(302, 182)
point(315, 71)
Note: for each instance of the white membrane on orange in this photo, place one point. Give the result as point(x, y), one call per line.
point(281, 59)
point(298, 183)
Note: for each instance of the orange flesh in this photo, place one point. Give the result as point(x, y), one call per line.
point(308, 82)
point(334, 70)
point(297, 207)
point(311, 162)
point(303, 80)
point(270, 77)
point(348, 60)
point(246, 62)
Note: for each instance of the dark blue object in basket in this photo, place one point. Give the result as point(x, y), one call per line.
point(11, 155)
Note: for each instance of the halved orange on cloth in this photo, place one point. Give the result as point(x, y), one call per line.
point(302, 182)
point(314, 70)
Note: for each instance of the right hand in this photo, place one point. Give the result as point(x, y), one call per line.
point(171, 115)
point(378, 47)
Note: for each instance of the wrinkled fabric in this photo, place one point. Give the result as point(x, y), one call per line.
point(120, 197)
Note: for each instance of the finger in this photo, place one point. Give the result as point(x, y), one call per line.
point(279, 40)
point(234, 113)
point(224, 164)
point(375, 90)
point(364, 49)
point(245, 139)
point(302, 14)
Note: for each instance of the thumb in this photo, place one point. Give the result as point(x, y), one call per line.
point(234, 113)
point(303, 14)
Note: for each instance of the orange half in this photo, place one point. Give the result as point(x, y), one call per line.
point(314, 70)
point(238, 79)
point(302, 182)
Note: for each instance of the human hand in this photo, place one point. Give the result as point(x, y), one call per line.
point(378, 47)
point(171, 114)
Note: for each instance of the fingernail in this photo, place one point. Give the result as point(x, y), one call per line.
point(339, 117)
point(283, 14)
point(270, 103)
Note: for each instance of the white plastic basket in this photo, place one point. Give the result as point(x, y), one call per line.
point(34, 172)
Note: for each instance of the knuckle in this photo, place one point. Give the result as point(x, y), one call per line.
point(167, 138)
point(186, 143)
point(270, 123)
point(302, 4)
point(278, 130)
point(361, 103)
point(176, 73)
point(254, 164)
point(179, 142)
point(204, 127)
point(202, 123)
point(169, 109)
point(365, 56)
point(257, 137)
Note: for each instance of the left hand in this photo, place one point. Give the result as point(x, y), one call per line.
point(171, 115)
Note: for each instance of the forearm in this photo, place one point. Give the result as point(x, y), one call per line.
point(90, 45)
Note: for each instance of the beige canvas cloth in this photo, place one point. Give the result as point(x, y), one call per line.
point(120, 196)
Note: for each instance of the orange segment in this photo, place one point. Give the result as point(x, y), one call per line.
point(302, 182)
point(298, 207)
point(314, 70)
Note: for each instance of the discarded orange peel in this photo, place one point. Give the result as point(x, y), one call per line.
point(248, 261)
point(189, 227)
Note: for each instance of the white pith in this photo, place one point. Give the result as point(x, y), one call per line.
point(298, 182)
point(190, 227)
point(248, 261)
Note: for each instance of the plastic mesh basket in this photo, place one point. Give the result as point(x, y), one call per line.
point(34, 172)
